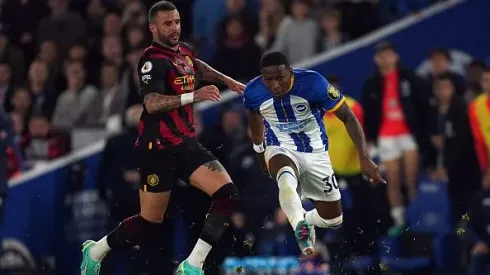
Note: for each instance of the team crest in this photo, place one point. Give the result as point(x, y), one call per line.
point(332, 92)
point(146, 67)
point(189, 61)
point(152, 180)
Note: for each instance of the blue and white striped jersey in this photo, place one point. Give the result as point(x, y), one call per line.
point(295, 121)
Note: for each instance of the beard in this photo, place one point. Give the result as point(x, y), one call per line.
point(167, 41)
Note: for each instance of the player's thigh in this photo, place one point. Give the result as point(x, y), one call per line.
point(277, 157)
point(319, 184)
point(389, 149)
point(155, 188)
point(201, 169)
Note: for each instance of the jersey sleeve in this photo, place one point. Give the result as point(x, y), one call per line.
point(249, 97)
point(153, 73)
point(325, 94)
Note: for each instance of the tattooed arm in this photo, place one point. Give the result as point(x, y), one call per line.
point(156, 103)
point(345, 114)
point(208, 73)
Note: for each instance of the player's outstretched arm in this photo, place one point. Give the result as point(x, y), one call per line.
point(157, 103)
point(354, 128)
point(257, 128)
point(256, 124)
point(208, 73)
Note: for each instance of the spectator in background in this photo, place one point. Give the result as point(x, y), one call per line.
point(6, 134)
point(95, 13)
point(77, 53)
point(6, 89)
point(474, 73)
point(271, 18)
point(112, 25)
point(48, 52)
point(135, 38)
point(112, 50)
point(359, 17)
point(130, 79)
point(397, 118)
point(110, 101)
point(43, 97)
point(15, 163)
point(480, 124)
point(62, 26)
point(332, 36)
point(440, 63)
point(134, 14)
point(13, 56)
point(21, 103)
point(206, 15)
point(237, 53)
point(454, 143)
point(236, 11)
point(22, 33)
point(73, 105)
point(298, 38)
point(43, 142)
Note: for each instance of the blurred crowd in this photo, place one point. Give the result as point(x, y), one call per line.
point(67, 68)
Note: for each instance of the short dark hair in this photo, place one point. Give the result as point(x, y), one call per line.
point(477, 63)
point(273, 59)
point(445, 76)
point(440, 51)
point(160, 6)
point(383, 46)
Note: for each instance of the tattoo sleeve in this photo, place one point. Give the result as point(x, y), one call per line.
point(256, 123)
point(156, 103)
point(208, 73)
point(345, 114)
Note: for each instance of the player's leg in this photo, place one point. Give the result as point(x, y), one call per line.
point(390, 155)
point(321, 186)
point(207, 174)
point(285, 171)
point(138, 229)
point(410, 164)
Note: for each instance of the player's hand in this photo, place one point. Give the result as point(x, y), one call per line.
point(371, 170)
point(210, 92)
point(235, 86)
point(262, 163)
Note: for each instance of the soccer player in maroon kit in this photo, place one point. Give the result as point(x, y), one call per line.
point(167, 147)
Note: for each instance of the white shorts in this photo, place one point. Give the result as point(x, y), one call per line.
point(316, 177)
point(391, 148)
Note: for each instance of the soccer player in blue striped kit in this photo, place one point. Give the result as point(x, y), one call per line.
point(285, 110)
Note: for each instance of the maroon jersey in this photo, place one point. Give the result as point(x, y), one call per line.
point(165, 71)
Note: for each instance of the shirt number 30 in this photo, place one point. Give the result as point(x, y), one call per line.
point(330, 183)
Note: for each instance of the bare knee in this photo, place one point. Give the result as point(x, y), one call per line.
point(153, 206)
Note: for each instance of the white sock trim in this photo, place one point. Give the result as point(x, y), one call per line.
point(199, 253)
point(100, 249)
point(312, 217)
point(398, 215)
